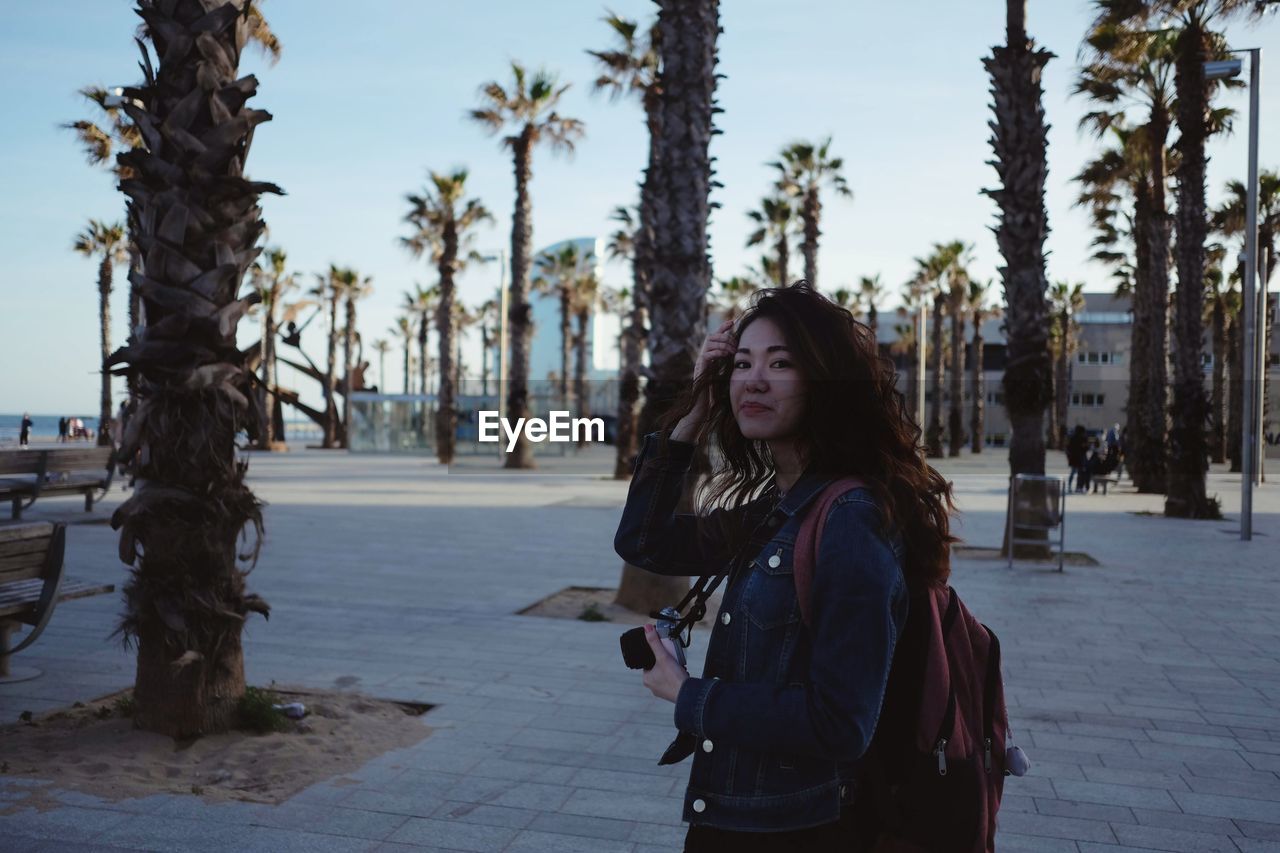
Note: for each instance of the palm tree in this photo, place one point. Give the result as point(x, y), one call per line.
point(733, 291)
point(328, 289)
point(528, 109)
point(804, 170)
point(403, 329)
point(913, 303)
point(273, 284)
point(352, 288)
point(1067, 301)
point(773, 228)
point(932, 271)
point(1131, 69)
point(979, 311)
point(1216, 304)
point(107, 241)
point(444, 222)
point(631, 68)
point(872, 292)
point(622, 244)
point(489, 321)
point(586, 294)
point(848, 299)
point(958, 280)
point(186, 603)
point(558, 275)
point(382, 346)
point(1019, 140)
point(678, 185)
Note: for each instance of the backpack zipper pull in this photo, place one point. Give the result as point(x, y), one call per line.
point(987, 758)
point(941, 751)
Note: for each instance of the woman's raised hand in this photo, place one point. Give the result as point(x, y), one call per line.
point(719, 344)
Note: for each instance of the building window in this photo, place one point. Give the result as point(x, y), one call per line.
point(1086, 400)
point(995, 398)
point(1098, 358)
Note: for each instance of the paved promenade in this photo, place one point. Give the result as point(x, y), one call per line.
point(1145, 689)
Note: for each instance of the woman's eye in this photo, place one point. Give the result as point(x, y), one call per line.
point(740, 364)
point(782, 364)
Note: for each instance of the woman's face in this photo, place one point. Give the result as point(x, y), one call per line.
point(766, 389)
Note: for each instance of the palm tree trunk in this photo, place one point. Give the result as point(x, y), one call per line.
point(519, 310)
point(185, 602)
point(1019, 140)
point(977, 419)
point(330, 379)
point(566, 342)
point(135, 304)
point(872, 322)
point(348, 346)
point(105, 439)
point(583, 409)
point(784, 259)
point(1217, 420)
point(1235, 390)
point(680, 275)
point(955, 420)
point(447, 413)
point(809, 214)
point(933, 438)
point(424, 325)
point(1186, 496)
point(408, 351)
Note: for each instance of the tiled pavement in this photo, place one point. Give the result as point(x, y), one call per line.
point(1146, 689)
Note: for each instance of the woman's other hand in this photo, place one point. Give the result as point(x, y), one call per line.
point(666, 676)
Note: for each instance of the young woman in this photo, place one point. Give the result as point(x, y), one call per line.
point(792, 399)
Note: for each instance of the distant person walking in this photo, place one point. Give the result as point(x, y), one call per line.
point(1077, 458)
point(24, 431)
point(63, 424)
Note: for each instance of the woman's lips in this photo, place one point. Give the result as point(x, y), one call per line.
point(752, 408)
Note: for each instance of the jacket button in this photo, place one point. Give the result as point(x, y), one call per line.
point(725, 618)
point(707, 745)
point(775, 561)
point(699, 806)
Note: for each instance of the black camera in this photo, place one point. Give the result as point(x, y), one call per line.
point(635, 648)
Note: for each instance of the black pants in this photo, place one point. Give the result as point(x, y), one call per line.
point(838, 837)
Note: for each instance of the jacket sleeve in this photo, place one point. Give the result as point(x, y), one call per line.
point(651, 534)
point(859, 606)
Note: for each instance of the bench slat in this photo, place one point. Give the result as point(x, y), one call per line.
point(20, 461)
point(23, 595)
point(25, 530)
point(21, 573)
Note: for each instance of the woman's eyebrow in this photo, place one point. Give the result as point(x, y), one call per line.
point(774, 348)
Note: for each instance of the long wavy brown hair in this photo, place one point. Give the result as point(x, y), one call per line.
point(855, 423)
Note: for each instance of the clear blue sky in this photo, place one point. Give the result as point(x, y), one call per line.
point(367, 98)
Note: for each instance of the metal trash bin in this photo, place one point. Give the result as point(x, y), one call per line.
point(1039, 503)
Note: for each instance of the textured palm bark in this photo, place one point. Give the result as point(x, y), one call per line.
point(566, 341)
point(810, 211)
point(135, 306)
point(447, 410)
point(783, 250)
point(1235, 390)
point(933, 435)
point(1187, 459)
point(955, 420)
point(330, 376)
point(1217, 400)
point(1147, 457)
point(197, 222)
point(519, 311)
point(348, 366)
point(1019, 140)
point(680, 274)
point(105, 438)
point(581, 402)
point(977, 416)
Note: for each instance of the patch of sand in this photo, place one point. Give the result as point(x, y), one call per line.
point(93, 750)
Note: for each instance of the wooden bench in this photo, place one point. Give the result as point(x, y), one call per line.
point(31, 585)
point(1105, 480)
point(28, 475)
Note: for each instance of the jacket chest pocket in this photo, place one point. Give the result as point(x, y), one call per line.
point(770, 599)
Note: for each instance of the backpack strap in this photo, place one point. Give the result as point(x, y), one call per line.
point(809, 537)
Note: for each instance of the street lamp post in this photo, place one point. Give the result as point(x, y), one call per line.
point(1221, 70)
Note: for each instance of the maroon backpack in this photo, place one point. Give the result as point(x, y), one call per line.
point(934, 772)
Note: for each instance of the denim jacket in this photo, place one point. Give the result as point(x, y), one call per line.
point(782, 712)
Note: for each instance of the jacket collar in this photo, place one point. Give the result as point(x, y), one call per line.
point(802, 492)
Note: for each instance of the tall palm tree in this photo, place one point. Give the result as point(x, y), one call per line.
point(871, 293)
point(1066, 301)
point(933, 271)
point(979, 310)
point(914, 294)
point(108, 242)
point(489, 321)
point(1130, 69)
point(1019, 140)
point(586, 295)
point(186, 603)
point(528, 110)
point(353, 288)
point(733, 292)
point(328, 289)
point(382, 346)
point(419, 303)
point(273, 284)
point(444, 222)
point(1218, 296)
point(622, 245)
point(678, 185)
point(773, 228)
point(631, 68)
point(805, 168)
point(403, 329)
point(958, 280)
point(558, 275)
point(848, 299)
